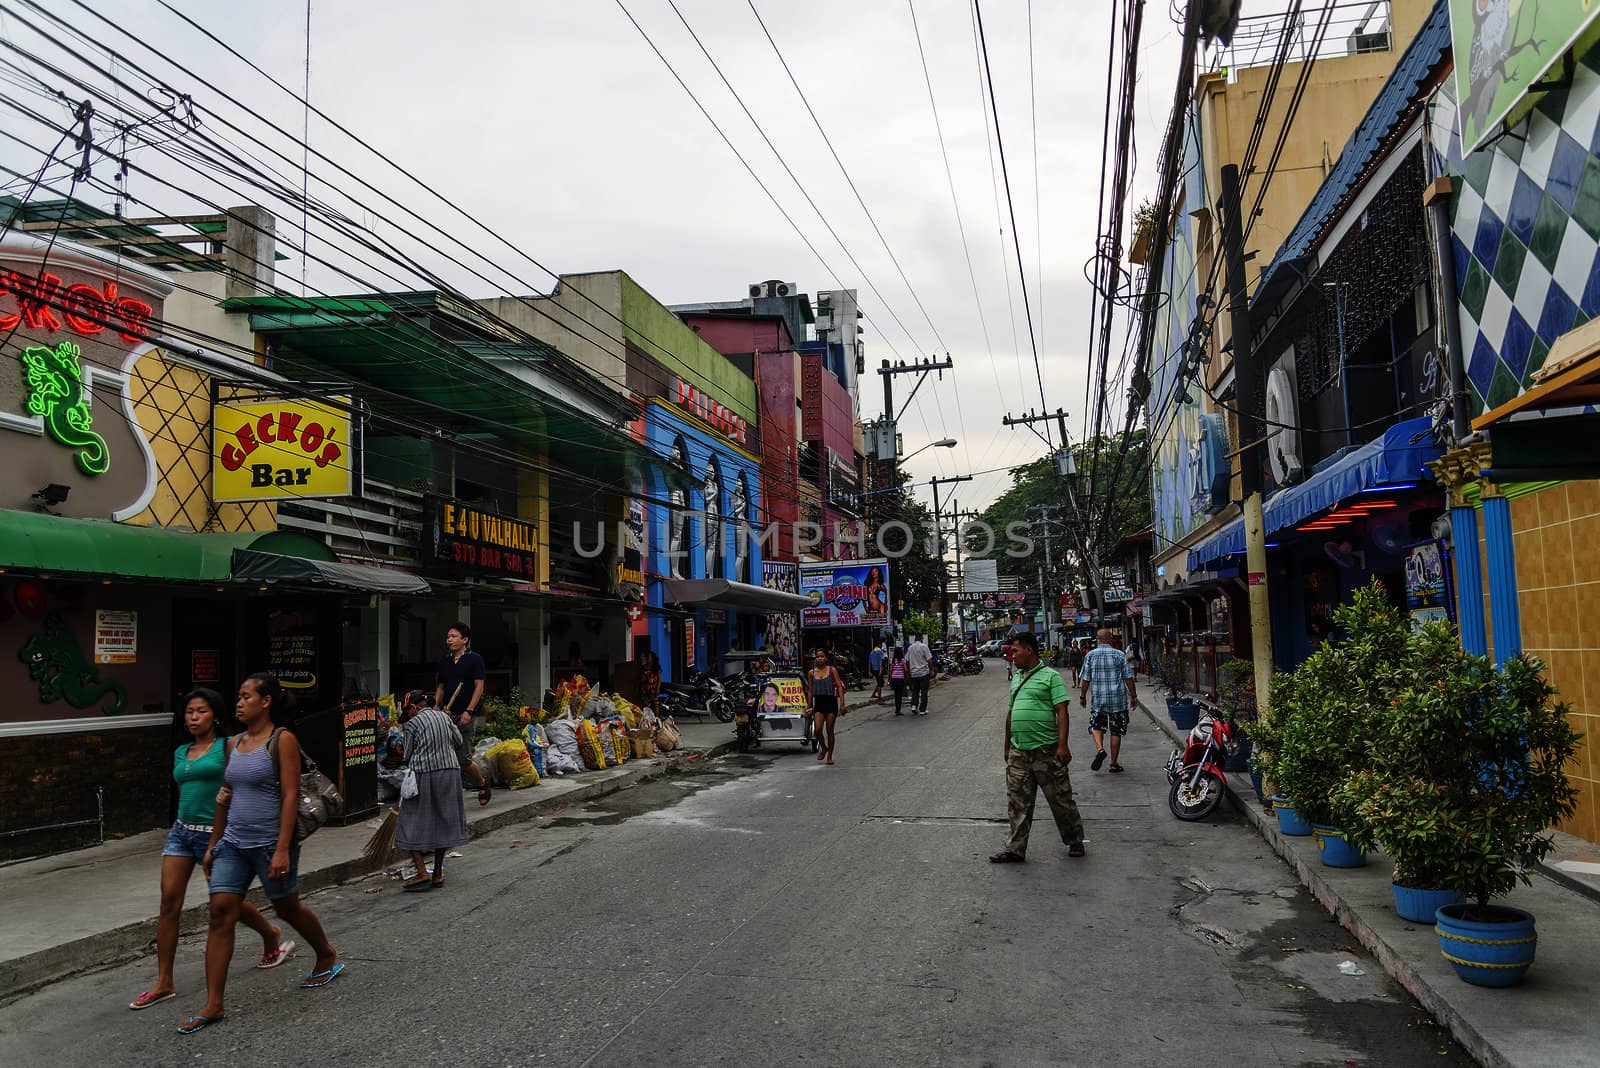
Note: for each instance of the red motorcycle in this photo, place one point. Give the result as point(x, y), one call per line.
point(1196, 773)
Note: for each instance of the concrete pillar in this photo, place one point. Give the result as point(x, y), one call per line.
point(384, 612)
point(251, 245)
point(1502, 563)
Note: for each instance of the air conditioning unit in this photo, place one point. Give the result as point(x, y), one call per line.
point(771, 288)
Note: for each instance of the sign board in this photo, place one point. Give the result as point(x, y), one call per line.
point(782, 628)
point(205, 665)
point(466, 539)
point(699, 403)
point(1502, 49)
point(845, 593)
point(292, 656)
point(788, 694)
point(992, 602)
point(980, 576)
point(1069, 603)
point(688, 641)
point(284, 449)
point(1425, 593)
point(116, 636)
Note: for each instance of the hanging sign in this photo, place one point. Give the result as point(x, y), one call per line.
point(465, 539)
point(1502, 50)
point(116, 636)
point(277, 449)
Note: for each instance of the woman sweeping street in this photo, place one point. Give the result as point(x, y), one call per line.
point(436, 819)
point(197, 768)
point(253, 839)
point(825, 691)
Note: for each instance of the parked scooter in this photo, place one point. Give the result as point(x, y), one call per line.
point(1196, 773)
point(971, 665)
point(703, 693)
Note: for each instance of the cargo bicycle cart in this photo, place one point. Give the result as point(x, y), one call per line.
point(777, 712)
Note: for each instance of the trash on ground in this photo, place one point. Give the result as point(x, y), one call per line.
point(1350, 967)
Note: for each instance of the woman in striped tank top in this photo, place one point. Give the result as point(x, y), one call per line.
point(253, 838)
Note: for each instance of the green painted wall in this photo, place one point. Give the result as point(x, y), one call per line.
point(648, 324)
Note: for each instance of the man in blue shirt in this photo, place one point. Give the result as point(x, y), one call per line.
point(875, 665)
point(1107, 677)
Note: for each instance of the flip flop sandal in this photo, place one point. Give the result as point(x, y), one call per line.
point(1116, 767)
point(277, 956)
point(198, 1023)
point(1099, 758)
point(484, 793)
point(417, 885)
point(149, 998)
point(316, 979)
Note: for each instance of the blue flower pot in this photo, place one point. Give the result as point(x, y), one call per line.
point(1240, 761)
point(1290, 822)
point(1255, 780)
point(1335, 850)
point(1493, 952)
point(1419, 906)
point(1185, 714)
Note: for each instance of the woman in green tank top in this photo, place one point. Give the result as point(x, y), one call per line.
point(197, 768)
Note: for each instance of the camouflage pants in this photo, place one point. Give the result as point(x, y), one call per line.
point(1028, 772)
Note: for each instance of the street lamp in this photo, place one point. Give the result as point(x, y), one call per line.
point(942, 443)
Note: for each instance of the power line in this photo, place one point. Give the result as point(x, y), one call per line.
point(1027, 308)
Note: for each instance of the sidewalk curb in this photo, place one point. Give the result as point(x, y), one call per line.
point(106, 949)
point(1371, 938)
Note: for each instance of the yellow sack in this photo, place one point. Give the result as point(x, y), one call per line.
point(594, 757)
point(620, 743)
point(514, 764)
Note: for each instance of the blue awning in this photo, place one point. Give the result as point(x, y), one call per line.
point(1395, 459)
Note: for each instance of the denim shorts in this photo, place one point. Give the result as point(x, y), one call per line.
point(235, 867)
point(184, 841)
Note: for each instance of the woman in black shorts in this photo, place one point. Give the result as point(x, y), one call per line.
point(825, 691)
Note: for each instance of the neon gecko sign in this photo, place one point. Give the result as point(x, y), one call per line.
point(55, 394)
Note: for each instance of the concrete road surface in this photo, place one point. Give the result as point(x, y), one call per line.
point(769, 910)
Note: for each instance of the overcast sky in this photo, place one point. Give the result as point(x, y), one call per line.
point(555, 123)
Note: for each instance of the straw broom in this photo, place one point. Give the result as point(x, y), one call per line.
point(381, 844)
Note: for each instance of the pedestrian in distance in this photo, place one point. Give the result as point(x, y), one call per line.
point(825, 695)
point(897, 677)
point(253, 839)
point(460, 693)
point(1075, 660)
point(436, 819)
point(650, 681)
point(198, 768)
point(1107, 689)
point(1037, 754)
point(1007, 653)
point(875, 665)
point(919, 669)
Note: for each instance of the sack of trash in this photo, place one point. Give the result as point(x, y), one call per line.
point(589, 746)
point(480, 757)
point(511, 760)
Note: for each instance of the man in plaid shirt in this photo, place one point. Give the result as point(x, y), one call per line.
point(1108, 677)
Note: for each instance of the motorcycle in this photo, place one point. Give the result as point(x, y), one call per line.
point(971, 665)
point(703, 693)
point(1196, 773)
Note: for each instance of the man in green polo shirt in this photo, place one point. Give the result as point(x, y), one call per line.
point(1036, 753)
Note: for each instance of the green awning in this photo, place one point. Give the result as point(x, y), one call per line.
point(50, 544)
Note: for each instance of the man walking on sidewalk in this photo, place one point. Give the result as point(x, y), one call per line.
point(919, 664)
point(875, 665)
point(1037, 754)
point(1108, 678)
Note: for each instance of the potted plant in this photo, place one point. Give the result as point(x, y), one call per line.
point(1181, 708)
point(1144, 231)
point(1469, 778)
point(1331, 705)
point(1236, 697)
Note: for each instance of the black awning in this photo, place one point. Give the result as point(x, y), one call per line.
point(271, 569)
point(725, 593)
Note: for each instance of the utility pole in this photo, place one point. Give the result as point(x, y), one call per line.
point(1252, 433)
point(885, 449)
point(938, 535)
point(1067, 468)
point(956, 516)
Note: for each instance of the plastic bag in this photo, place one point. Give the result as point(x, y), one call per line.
point(408, 784)
point(535, 748)
point(514, 765)
point(589, 745)
point(485, 765)
point(558, 763)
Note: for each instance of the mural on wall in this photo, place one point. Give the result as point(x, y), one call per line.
point(1502, 48)
point(56, 662)
point(1525, 222)
point(1179, 473)
point(782, 628)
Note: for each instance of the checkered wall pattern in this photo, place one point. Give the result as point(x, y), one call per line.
point(1526, 230)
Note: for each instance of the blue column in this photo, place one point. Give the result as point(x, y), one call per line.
point(1469, 580)
point(1502, 560)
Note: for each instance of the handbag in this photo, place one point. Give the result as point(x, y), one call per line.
point(319, 798)
point(408, 784)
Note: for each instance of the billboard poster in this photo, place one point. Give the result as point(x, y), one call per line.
point(1425, 594)
point(845, 593)
point(1502, 49)
point(782, 628)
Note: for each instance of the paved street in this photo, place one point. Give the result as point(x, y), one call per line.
point(770, 910)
